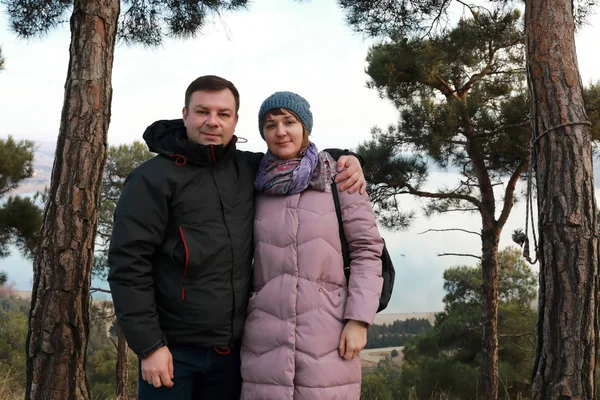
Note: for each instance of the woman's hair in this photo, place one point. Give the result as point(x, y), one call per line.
point(283, 111)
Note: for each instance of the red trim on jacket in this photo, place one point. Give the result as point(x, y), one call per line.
point(180, 160)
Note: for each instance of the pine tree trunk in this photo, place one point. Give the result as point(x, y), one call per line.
point(568, 299)
point(489, 348)
point(59, 315)
point(122, 366)
point(490, 235)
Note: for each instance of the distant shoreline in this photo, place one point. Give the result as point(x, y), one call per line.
point(381, 319)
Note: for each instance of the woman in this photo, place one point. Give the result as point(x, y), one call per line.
point(306, 324)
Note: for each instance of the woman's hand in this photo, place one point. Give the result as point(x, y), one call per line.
point(353, 339)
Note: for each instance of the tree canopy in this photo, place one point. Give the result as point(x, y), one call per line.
point(120, 162)
point(419, 18)
point(447, 358)
point(20, 217)
point(16, 163)
point(142, 22)
point(463, 105)
point(396, 333)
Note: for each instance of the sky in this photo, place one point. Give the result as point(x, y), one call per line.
point(275, 45)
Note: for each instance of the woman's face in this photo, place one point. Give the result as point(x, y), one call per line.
point(284, 134)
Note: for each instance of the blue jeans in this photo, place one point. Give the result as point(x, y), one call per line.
point(200, 374)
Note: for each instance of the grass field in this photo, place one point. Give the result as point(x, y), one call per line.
point(370, 357)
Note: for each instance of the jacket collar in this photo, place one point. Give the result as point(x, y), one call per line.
point(169, 138)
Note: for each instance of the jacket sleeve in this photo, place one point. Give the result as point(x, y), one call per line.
point(140, 223)
point(337, 153)
point(253, 159)
point(365, 246)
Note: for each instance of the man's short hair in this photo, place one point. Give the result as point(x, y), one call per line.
point(211, 83)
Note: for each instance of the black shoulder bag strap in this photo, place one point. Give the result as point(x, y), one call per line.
point(345, 249)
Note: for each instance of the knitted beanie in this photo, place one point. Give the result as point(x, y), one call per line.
point(289, 101)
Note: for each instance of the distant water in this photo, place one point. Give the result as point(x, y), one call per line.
point(20, 270)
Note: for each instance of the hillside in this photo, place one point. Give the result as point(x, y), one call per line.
point(381, 319)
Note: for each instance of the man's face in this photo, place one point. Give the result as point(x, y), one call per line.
point(211, 117)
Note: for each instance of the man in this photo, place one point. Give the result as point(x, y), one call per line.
point(181, 251)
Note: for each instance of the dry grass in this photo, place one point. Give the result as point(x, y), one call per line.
point(9, 389)
point(411, 396)
point(438, 395)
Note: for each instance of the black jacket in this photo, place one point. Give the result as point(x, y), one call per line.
point(181, 249)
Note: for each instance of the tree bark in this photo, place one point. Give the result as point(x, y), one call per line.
point(122, 366)
point(489, 346)
point(568, 299)
point(59, 314)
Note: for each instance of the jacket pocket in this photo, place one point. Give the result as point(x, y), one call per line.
point(177, 253)
point(167, 285)
point(333, 297)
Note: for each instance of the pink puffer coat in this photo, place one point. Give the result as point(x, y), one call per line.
point(301, 301)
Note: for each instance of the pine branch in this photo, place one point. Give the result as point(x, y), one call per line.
point(104, 236)
point(434, 23)
point(459, 255)
point(444, 87)
point(461, 210)
point(522, 348)
point(94, 290)
point(470, 199)
point(509, 194)
point(472, 9)
point(104, 317)
point(511, 44)
point(514, 335)
point(468, 183)
point(450, 229)
point(476, 77)
point(502, 128)
point(507, 71)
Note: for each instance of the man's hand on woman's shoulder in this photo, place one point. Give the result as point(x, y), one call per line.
point(350, 175)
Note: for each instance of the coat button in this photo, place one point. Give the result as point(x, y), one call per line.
point(320, 290)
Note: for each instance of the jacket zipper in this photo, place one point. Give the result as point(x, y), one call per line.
point(234, 140)
point(231, 344)
point(185, 266)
